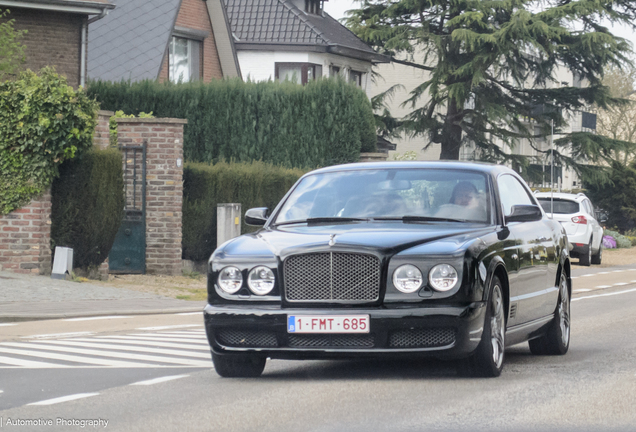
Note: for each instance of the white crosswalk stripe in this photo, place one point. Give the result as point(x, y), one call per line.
point(182, 349)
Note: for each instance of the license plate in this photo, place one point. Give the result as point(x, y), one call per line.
point(328, 323)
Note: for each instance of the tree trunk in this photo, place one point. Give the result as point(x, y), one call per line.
point(451, 133)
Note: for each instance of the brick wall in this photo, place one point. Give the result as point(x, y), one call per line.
point(101, 138)
point(25, 236)
point(53, 39)
point(194, 15)
point(164, 187)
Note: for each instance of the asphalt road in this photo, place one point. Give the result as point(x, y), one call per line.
point(593, 387)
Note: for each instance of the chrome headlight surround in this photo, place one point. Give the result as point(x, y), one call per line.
point(443, 277)
point(230, 279)
point(407, 278)
point(261, 280)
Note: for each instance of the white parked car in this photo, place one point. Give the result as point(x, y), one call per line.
point(576, 213)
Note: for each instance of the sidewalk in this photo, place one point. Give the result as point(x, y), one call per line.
point(29, 298)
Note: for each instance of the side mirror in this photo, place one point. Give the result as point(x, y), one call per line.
point(256, 216)
point(524, 213)
point(601, 216)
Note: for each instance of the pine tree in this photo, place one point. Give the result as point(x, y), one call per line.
point(492, 69)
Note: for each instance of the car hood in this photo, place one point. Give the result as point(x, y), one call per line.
point(387, 238)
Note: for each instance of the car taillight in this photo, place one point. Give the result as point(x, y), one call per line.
point(579, 220)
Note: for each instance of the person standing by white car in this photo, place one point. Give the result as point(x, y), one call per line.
point(576, 213)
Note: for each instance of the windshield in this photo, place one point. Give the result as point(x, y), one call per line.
point(560, 206)
point(390, 194)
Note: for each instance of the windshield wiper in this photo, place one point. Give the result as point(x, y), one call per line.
point(323, 220)
point(421, 219)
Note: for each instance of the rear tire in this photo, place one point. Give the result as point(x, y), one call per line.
point(557, 339)
point(586, 255)
point(488, 359)
point(238, 366)
point(597, 258)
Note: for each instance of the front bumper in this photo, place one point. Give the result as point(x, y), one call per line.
point(440, 331)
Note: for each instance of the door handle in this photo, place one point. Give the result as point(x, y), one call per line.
point(514, 257)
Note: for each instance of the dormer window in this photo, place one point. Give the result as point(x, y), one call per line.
point(313, 7)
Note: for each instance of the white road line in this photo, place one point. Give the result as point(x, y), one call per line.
point(64, 399)
point(605, 295)
point(582, 290)
point(169, 327)
point(634, 281)
point(587, 275)
point(57, 335)
point(189, 313)
point(116, 355)
point(7, 324)
point(602, 273)
point(133, 341)
point(618, 271)
point(27, 363)
point(93, 318)
point(70, 358)
point(574, 277)
point(160, 380)
point(170, 339)
point(603, 286)
point(621, 283)
point(129, 348)
point(183, 333)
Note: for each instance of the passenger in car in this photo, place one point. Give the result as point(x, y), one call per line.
point(465, 203)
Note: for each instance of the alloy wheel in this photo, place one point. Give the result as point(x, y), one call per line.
point(497, 326)
point(564, 311)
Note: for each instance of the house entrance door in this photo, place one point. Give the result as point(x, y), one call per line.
point(128, 254)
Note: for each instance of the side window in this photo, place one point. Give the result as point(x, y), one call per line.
point(512, 193)
point(590, 208)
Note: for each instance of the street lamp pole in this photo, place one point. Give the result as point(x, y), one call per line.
point(552, 170)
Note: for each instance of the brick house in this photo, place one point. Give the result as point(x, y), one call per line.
point(162, 39)
point(297, 40)
point(56, 32)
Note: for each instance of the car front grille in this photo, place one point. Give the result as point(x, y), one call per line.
point(332, 277)
point(422, 338)
point(246, 338)
point(331, 341)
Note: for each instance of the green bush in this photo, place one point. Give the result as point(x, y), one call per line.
point(88, 203)
point(255, 184)
point(323, 123)
point(43, 122)
point(621, 240)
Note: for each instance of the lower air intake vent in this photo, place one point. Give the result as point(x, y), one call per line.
point(331, 341)
point(246, 338)
point(422, 338)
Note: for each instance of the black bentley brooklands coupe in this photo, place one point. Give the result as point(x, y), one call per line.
point(443, 259)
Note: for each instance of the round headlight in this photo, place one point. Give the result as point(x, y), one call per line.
point(261, 280)
point(230, 280)
point(407, 278)
point(443, 277)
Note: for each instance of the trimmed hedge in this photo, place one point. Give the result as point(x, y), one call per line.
point(323, 123)
point(255, 184)
point(43, 122)
point(621, 240)
point(88, 204)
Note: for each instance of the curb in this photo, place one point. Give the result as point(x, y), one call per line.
point(131, 312)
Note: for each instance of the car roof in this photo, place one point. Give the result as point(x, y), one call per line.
point(483, 167)
point(563, 196)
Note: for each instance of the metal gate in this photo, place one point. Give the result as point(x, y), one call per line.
point(128, 254)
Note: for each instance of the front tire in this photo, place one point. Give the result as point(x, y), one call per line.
point(238, 366)
point(557, 339)
point(488, 358)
